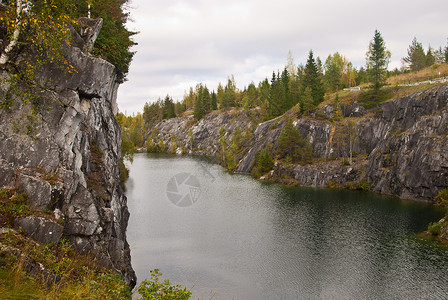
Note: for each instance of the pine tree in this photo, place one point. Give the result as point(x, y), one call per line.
point(206, 100)
point(292, 146)
point(416, 56)
point(265, 90)
point(168, 108)
point(377, 60)
point(202, 103)
point(312, 80)
point(430, 58)
point(251, 96)
point(198, 108)
point(114, 40)
point(286, 102)
point(220, 96)
point(229, 94)
point(263, 162)
point(214, 101)
point(276, 96)
point(307, 100)
point(446, 54)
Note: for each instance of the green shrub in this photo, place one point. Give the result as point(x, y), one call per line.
point(442, 197)
point(351, 185)
point(434, 228)
point(162, 290)
point(263, 163)
point(364, 185)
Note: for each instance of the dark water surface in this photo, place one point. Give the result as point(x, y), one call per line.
point(242, 239)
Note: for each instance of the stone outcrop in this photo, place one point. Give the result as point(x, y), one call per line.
point(400, 148)
point(186, 135)
point(41, 229)
point(60, 144)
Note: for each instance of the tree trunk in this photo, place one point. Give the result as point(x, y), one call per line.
point(15, 36)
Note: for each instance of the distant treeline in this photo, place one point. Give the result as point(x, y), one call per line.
point(303, 84)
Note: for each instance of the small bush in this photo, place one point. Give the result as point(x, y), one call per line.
point(442, 197)
point(263, 163)
point(434, 228)
point(163, 290)
point(364, 185)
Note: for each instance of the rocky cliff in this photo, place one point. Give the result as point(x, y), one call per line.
point(60, 145)
point(400, 148)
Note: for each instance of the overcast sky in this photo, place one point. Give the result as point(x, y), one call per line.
point(185, 42)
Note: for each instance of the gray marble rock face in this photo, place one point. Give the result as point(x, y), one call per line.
point(401, 149)
point(63, 149)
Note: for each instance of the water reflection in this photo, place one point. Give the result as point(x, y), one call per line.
point(250, 240)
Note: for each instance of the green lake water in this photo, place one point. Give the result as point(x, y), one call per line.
point(235, 238)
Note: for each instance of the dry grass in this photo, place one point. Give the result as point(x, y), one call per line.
point(348, 97)
point(428, 73)
point(81, 276)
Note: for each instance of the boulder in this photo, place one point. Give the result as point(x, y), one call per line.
point(41, 229)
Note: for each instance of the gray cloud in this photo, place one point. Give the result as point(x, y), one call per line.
point(182, 43)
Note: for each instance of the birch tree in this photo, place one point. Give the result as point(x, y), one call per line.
point(41, 27)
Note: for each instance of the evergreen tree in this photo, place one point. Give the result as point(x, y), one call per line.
point(198, 108)
point(312, 80)
point(179, 108)
point(214, 101)
point(362, 76)
point(168, 108)
point(220, 96)
point(286, 102)
point(292, 146)
point(229, 94)
point(446, 54)
point(416, 56)
point(377, 60)
point(307, 100)
point(152, 113)
point(430, 58)
point(265, 89)
point(114, 40)
point(276, 97)
point(263, 162)
point(252, 94)
point(206, 100)
point(202, 103)
point(294, 87)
